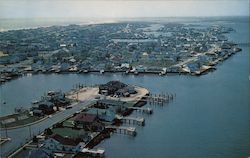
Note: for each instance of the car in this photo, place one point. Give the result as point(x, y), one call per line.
point(68, 107)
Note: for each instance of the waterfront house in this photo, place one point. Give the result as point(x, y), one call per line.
point(57, 97)
point(111, 87)
point(37, 112)
point(102, 114)
point(40, 153)
point(45, 106)
point(113, 105)
point(88, 122)
point(64, 67)
point(125, 92)
point(57, 143)
point(194, 66)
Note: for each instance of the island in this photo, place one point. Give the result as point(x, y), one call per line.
point(125, 47)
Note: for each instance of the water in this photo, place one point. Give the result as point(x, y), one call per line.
point(209, 117)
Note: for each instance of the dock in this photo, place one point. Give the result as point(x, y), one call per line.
point(144, 110)
point(159, 99)
point(132, 120)
point(123, 130)
point(94, 152)
point(4, 140)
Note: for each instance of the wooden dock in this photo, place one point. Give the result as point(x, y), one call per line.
point(4, 140)
point(133, 120)
point(159, 99)
point(144, 110)
point(94, 152)
point(123, 130)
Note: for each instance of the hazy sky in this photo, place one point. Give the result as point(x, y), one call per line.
point(121, 8)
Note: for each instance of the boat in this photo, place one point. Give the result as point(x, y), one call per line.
point(101, 71)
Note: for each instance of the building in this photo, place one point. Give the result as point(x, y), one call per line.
point(111, 87)
point(88, 121)
point(113, 105)
point(126, 91)
point(40, 153)
point(102, 114)
point(46, 107)
point(57, 143)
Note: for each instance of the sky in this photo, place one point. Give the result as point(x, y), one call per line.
point(121, 8)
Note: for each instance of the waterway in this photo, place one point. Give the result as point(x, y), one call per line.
point(210, 116)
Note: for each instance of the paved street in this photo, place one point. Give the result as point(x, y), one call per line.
point(22, 135)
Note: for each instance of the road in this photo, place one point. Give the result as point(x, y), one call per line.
point(22, 135)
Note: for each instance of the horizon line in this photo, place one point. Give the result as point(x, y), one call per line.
point(125, 17)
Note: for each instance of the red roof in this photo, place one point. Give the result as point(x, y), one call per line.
point(66, 141)
point(83, 117)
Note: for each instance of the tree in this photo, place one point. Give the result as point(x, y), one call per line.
point(48, 131)
point(35, 140)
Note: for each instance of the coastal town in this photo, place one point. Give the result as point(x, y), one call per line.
point(89, 115)
point(125, 47)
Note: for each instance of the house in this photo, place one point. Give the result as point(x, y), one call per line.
point(37, 112)
point(57, 97)
point(122, 93)
point(40, 153)
point(88, 122)
point(45, 106)
point(57, 143)
point(65, 67)
point(113, 105)
point(111, 87)
point(126, 91)
point(102, 114)
point(193, 67)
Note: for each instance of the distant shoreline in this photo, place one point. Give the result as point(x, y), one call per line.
point(9, 24)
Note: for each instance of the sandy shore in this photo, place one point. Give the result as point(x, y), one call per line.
point(89, 93)
point(84, 94)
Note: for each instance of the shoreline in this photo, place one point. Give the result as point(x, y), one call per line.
point(202, 71)
point(106, 133)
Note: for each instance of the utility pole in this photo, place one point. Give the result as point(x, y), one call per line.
point(30, 131)
point(6, 133)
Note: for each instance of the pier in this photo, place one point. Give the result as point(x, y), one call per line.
point(4, 140)
point(144, 110)
point(132, 120)
point(159, 99)
point(123, 130)
point(94, 152)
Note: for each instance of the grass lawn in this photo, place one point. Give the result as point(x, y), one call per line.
point(68, 123)
point(67, 132)
point(21, 122)
point(130, 104)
